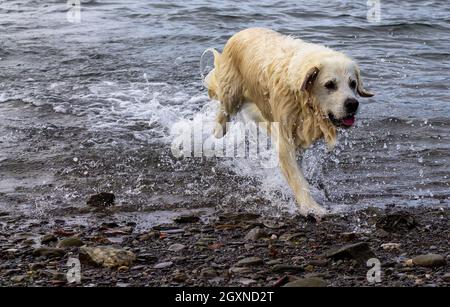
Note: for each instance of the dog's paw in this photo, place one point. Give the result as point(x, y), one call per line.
point(316, 211)
point(219, 131)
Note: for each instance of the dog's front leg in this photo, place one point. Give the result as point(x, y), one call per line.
point(296, 180)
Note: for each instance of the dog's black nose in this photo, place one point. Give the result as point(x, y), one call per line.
point(351, 105)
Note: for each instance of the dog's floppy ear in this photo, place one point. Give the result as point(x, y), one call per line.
point(309, 79)
point(360, 88)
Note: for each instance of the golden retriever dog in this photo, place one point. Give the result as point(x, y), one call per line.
point(308, 89)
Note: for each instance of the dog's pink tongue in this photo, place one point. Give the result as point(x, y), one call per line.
point(349, 121)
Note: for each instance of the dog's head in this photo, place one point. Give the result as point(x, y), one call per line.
point(334, 81)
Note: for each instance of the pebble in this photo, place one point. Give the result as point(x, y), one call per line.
point(349, 236)
point(48, 238)
point(250, 261)
point(312, 282)
point(359, 251)
point(103, 199)
point(107, 256)
point(446, 277)
point(236, 270)
point(255, 234)
point(318, 262)
point(395, 222)
point(18, 278)
point(187, 219)
point(70, 242)
point(176, 247)
point(390, 246)
point(163, 265)
point(246, 281)
point(179, 277)
point(49, 252)
point(275, 261)
point(429, 260)
point(280, 268)
point(208, 273)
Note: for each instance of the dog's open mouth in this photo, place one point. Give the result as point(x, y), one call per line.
point(345, 122)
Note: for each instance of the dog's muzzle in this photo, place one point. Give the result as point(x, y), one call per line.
point(351, 107)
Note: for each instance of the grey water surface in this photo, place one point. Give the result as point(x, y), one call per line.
point(88, 107)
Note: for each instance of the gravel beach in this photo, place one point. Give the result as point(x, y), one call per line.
point(232, 249)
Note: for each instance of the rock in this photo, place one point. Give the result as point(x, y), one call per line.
point(208, 273)
point(446, 277)
point(238, 271)
point(163, 265)
point(292, 236)
point(250, 261)
point(246, 281)
point(255, 234)
point(147, 258)
point(429, 260)
point(318, 262)
point(179, 277)
point(349, 236)
point(281, 268)
point(359, 251)
point(176, 247)
point(122, 269)
point(107, 256)
point(238, 217)
point(312, 282)
point(399, 221)
point(178, 259)
point(409, 263)
point(390, 246)
point(273, 224)
point(18, 278)
point(103, 199)
point(187, 219)
point(70, 242)
point(49, 252)
point(309, 268)
point(48, 238)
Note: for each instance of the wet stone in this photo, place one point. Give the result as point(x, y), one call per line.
point(70, 242)
point(186, 219)
point(208, 273)
point(103, 199)
point(281, 268)
point(176, 247)
point(163, 265)
point(48, 238)
point(107, 256)
point(250, 261)
point(312, 282)
point(429, 260)
point(255, 234)
point(49, 252)
point(359, 251)
point(398, 221)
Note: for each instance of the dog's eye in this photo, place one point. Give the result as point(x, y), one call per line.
point(353, 84)
point(331, 85)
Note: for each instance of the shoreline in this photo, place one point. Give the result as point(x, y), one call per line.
point(233, 249)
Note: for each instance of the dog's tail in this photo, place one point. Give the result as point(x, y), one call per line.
point(210, 81)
